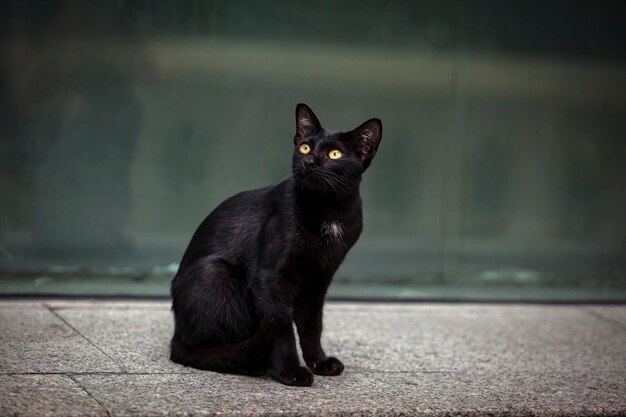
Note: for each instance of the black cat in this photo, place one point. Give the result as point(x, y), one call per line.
point(263, 259)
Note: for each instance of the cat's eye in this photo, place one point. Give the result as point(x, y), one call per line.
point(335, 154)
point(304, 148)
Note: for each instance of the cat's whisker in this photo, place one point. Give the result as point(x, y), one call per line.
point(339, 187)
point(285, 172)
point(330, 183)
point(340, 178)
point(336, 176)
point(334, 188)
point(338, 183)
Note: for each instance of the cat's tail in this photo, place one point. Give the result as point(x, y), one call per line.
point(250, 357)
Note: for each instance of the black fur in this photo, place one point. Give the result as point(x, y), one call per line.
point(263, 259)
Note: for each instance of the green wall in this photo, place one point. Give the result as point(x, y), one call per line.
point(501, 173)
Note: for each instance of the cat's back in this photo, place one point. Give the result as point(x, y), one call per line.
point(234, 224)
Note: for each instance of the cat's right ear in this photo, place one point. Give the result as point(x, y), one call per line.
point(306, 122)
point(366, 139)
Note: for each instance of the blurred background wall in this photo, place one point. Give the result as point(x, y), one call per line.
point(502, 165)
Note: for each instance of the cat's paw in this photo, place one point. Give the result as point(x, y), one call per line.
point(299, 376)
point(329, 366)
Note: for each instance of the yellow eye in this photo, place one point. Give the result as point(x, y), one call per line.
point(304, 148)
point(335, 154)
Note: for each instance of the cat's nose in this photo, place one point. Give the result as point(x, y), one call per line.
point(309, 161)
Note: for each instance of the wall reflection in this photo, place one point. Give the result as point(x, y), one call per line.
point(502, 161)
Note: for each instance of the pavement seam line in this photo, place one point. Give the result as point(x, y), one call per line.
point(359, 372)
point(106, 410)
point(100, 373)
point(605, 319)
point(57, 315)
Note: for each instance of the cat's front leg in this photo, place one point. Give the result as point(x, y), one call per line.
point(276, 308)
point(285, 365)
point(308, 318)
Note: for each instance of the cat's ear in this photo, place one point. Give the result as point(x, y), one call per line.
point(306, 122)
point(366, 139)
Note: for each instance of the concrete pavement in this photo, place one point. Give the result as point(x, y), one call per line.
point(110, 358)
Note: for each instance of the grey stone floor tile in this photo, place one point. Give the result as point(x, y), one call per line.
point(100, 304)
point(137, 338)
point(470, 359)
point(394, 337)
point(21, 304)
point(360, 394)
point(33, 339)
point(450, 308)
point(45, 395)
point(541, 339)
point(616, 314)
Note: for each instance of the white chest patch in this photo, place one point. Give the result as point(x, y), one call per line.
point(332, 231)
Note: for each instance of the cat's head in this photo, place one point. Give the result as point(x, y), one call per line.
point(329, 161)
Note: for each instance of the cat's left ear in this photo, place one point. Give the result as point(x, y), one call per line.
point(366, 139)
point(306, 122)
